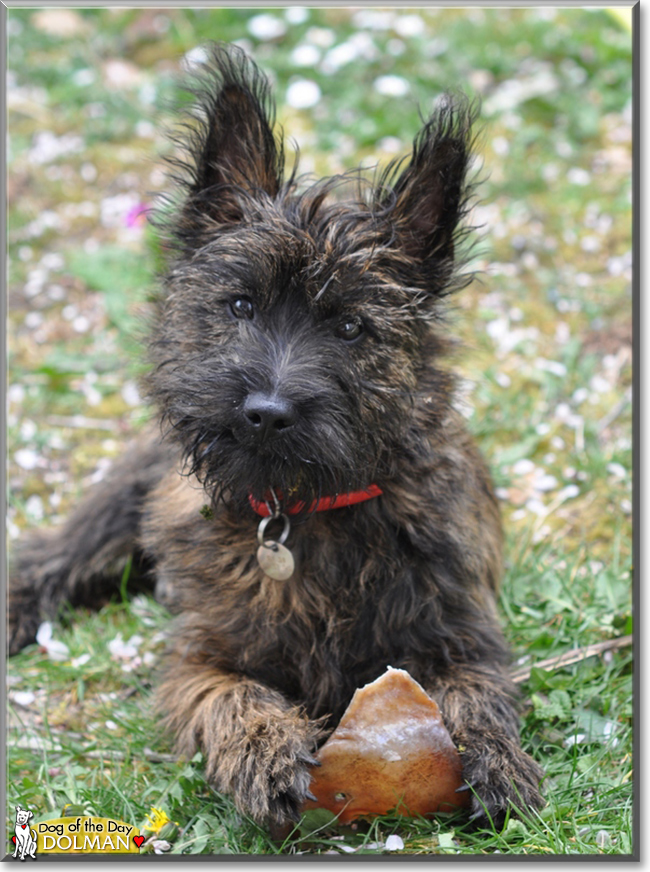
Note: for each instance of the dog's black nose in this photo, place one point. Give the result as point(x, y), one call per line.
point(267, 416)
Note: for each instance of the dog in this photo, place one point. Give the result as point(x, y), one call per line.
point(24, 836)
point(308, 500)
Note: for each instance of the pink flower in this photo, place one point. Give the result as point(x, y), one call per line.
point(137, 215)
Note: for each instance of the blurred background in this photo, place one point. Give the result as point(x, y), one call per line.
point(545, 330)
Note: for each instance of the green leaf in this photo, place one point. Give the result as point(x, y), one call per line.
point(595, 727)
point(548, 709)
point(316, 819)
point(518, 451)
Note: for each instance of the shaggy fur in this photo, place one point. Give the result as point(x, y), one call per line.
point(330, 314)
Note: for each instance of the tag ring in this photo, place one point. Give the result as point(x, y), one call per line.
point(265, 522)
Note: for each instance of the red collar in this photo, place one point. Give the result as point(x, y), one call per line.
point(321, 505)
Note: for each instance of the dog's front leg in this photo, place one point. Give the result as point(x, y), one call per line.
point(257, 746)
point(478, 707)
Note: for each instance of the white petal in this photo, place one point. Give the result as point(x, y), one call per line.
point(392, 86)
point(266, 27)
point(57, 650)
point(305, 56)
point(26, 458)
point(44, 633)
point(577, 739)
point(303, 94)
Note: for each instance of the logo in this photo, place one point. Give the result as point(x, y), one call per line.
point(77, 832)
point(87, 835)
point(73, 835)
point(24, 837)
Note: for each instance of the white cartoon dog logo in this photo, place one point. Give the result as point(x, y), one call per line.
point(25, 837)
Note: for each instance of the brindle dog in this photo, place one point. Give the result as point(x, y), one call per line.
point(297, 355)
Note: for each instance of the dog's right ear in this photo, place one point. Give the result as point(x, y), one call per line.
point(233, 156)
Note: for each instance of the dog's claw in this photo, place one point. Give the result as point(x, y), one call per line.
point(311, 796)
point(309, 759)
point(463, 788)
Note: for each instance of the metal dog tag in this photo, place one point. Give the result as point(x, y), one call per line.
point(276, 560)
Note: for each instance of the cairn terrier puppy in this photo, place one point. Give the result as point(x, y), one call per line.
point(309, 502)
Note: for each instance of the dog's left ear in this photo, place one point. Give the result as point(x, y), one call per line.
point(429, 195)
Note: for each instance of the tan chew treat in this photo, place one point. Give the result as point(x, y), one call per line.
point(390, 750)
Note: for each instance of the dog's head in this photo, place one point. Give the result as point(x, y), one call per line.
point(296, 337)
point(23, 816)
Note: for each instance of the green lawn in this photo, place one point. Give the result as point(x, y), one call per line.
point(546, 354)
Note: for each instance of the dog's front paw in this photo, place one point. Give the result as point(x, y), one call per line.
point(289, 791)
point(269, 777)
point(501, 779)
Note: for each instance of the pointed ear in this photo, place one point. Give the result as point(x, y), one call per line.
point(429, 195)
point(232, 153)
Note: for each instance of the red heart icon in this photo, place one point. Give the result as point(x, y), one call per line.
point(24, 825)
point(138, 840)
point(13, 839)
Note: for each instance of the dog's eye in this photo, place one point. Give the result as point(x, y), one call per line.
point(350, 330)
point(241, 307)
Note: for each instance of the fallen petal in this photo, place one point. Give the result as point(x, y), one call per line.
point(44, 633)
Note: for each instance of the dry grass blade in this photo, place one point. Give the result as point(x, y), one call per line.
point(575, 656)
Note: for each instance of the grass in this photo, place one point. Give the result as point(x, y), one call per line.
point(545, 352)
